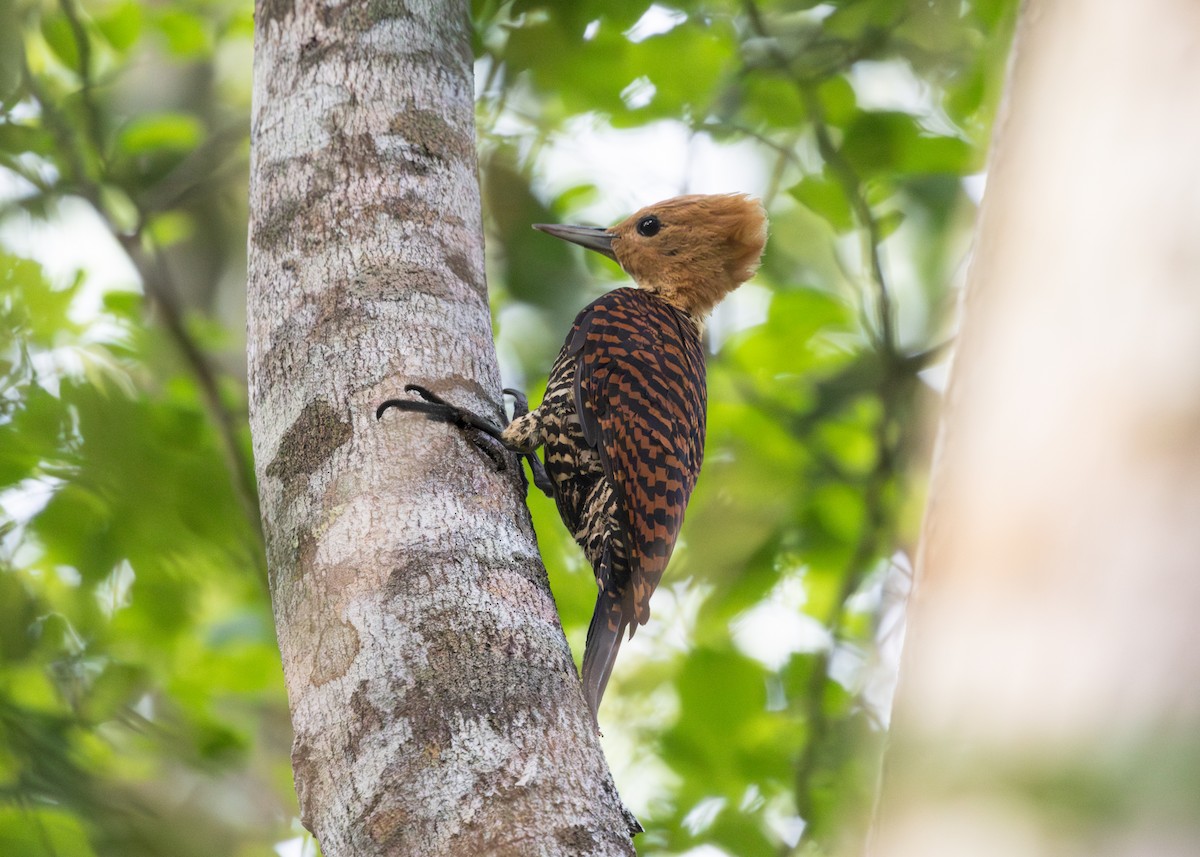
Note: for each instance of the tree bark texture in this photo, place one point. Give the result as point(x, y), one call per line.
point(434, 700)
point(1050, 694)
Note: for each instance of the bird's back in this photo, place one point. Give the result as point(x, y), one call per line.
point(623, 421)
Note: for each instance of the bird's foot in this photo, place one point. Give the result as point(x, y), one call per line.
point(540, 477)
point(520, 402)
point(434, 407)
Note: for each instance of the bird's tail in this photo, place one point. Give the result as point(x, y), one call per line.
point(603, 642)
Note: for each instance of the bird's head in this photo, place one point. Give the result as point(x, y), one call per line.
point(691, 250)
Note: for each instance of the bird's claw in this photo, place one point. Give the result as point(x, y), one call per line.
point(488, 448)
point(427, 395)
point(520, 402)
point(541, 479)
point(444, 410)
point(434, 407)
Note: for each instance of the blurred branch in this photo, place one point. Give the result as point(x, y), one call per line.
point(84, 45)
point(785, 152)
point(875, 529)
point(777, 172)
point(65, 138)
point(849, 180)
point(819, 56)
point(852, 187)
point(208, 164)
point(158, 283)
point(874, 536)
point(922, 359)
point(887, 382)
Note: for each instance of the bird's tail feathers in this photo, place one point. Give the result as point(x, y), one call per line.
point(603, 642)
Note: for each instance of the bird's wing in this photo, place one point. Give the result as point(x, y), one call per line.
point(640, 396)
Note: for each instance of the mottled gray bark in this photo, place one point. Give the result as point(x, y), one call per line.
point(435, 704)
point(1050, 694)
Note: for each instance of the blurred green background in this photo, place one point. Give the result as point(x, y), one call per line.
point(142, 709)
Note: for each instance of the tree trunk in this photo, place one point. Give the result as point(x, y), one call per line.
point(1050, 694)
point(434, 700)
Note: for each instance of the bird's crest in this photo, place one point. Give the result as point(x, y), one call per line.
point(690, 250)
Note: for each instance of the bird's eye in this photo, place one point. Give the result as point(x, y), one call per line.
point(648, 227)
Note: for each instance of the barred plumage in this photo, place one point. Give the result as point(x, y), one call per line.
point(623, 418)
point(622, 423)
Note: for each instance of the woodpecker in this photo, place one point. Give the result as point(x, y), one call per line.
point(623, 419)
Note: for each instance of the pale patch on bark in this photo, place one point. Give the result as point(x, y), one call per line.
point(434, 699)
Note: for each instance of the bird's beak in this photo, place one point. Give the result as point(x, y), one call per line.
point(592, 237)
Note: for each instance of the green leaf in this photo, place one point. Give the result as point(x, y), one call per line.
point(173, 132)
point(864, 18)
point(60, 38)
point(851, 443)
point(113, 691)
point(841, 510)
point(187, 34)
point(883, 143)
point(731, 742)
point(124, 304)
point(838, 101)
point(37, 311)
point(42, 832)
point(121, 209)
point(18, 612)
point(767, 101)
point(21, 138)
point(824, 197)
point(121, 25)
point(171, 227)
point(889, 223)
point(539, 270)
point(11, 50)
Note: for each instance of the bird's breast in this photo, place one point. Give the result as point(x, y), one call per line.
point(573, 465)
point(564, 441)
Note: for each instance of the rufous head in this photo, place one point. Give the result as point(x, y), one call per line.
point(691, 250)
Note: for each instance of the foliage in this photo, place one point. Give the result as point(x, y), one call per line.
point(141, 702)
point(768, 716)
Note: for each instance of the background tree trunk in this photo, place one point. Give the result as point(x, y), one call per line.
point(434, 700)
point(1050, 695)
